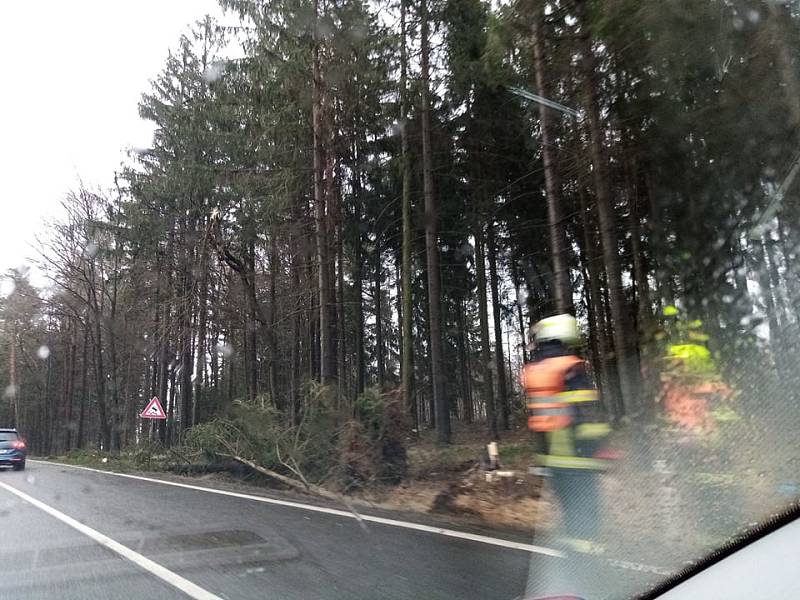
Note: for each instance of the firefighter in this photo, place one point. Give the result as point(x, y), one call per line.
point(693, 394)
point(569, 426)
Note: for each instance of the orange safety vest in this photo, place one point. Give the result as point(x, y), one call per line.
point(543, 381)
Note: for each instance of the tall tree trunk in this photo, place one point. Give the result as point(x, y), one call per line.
point(623, 336)
point(12, 379)
point(398, 307)
point(499, 355)
point(84, 388)
point(164, 366)
point(358, 291)
point(598, 328)
point(116, 413)
point(274, 267)
point(69, 396)
point(520, 317)
point(486, 359)
point(100, 387)
point(644, 310)
point(297, 328)
point(377, 297)
point(643, 304)
point(332, 222)
point(96, 314)
point(469, 411)
point(341, 357)
point(559, 250)
point(424, 326)
point(407, 366)
point(48, 379)
point(251, 326)
point(171, 427)
point(762, 269)
point(781, 305)
point(326, 344)
point(186, 330)
point(431, 243)
point(657, 243)
point(202, 325)
point(166, 332)
point(341, 347)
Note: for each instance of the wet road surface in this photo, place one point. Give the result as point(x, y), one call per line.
point(229, 547)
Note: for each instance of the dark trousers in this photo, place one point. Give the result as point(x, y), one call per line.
point(578, 493)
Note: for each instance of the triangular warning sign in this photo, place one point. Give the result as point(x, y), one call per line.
point(153, 410)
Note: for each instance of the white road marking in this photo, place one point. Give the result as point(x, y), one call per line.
point(184, 585)
point(472, 537)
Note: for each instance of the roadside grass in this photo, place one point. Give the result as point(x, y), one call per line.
point(144, 458)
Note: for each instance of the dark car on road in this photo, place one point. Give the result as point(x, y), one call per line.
point(12, 450)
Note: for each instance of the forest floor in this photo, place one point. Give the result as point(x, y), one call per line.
point(452, 481)
point(448, 484)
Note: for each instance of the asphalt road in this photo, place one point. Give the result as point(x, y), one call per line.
point(226, 547)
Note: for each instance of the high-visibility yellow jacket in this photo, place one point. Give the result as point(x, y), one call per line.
point(564, 413)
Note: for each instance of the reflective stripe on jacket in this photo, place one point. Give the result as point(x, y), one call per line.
point(569, 423)
point(543, 382)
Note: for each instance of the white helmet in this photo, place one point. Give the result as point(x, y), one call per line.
point(563, 328)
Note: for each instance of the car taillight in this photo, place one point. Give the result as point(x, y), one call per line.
point(19, 445)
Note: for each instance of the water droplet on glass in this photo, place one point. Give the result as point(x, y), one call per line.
point(43, 352)
point(7, 286)
point(397, 127)
point(10, 391)
point(224, 349)
point(91, 250)
point(31, 479)
point(753, 15)
point(358, 33)
point(214, 71)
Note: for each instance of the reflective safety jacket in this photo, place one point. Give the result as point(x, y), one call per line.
point(564, 413)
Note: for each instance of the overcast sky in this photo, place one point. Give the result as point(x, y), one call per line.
point(72, 75)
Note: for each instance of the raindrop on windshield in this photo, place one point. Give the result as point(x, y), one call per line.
point(91, 250)
point(43, 352)
point(224, 349)
point(214, 71)
point(398, 127)
point(7, 286)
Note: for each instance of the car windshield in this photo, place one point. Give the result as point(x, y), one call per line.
point(407, 298)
